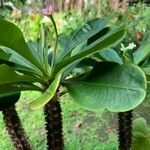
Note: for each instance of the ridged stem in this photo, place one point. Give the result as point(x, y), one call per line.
point(53, 125)
point(15, 129)
point(125, 130)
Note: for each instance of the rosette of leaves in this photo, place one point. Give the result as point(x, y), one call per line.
point(34, 67)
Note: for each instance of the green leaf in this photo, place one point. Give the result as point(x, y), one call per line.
point(141, 135)
point(4, 56)
point(146, 66)
point(146, 69)
point(78, 36)
point(141, 53)
point(23, 69)
point(111, 55)
point(26, 71)
point(140, 125)
point(110, 86)
point(37, 50)
point(21, 61)
point(12, 88)
point(9, 75)
point(98, 35)
point(8, 100)
point(47, 95)
point(12, 37)
point(105, 42)
point(87, 62)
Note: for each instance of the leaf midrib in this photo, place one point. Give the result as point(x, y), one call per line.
point(109, 85)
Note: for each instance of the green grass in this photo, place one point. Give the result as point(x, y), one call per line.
point(83, 130)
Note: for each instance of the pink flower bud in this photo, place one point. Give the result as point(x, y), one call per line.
point(48, 11)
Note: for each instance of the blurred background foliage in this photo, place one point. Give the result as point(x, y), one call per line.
point(83, 130)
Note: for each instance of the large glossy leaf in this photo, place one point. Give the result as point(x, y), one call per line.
point(105, 42)
point(12, 37)
point(8, 100)
point(78, 36)
point(110, 86)
point(141, 135)
point(9, 75)
point(141, 53)
point(47, 95)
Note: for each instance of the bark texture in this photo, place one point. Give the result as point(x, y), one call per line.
point(15, 129)
point(125, 130)
point(53, 119)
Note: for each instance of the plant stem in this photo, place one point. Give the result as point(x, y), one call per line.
point(44, 51)
point(53, 119)
point(125, 130)
point(56, 34)
point(15, 130)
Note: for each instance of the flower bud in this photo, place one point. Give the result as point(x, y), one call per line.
point(48, 11)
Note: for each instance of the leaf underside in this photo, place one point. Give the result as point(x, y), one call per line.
point(47, 95)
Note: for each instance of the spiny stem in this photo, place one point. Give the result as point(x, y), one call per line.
point(125, 130)
point(15, 130)
point(53, 119)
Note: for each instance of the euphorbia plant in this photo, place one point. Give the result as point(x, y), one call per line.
point(42, 70)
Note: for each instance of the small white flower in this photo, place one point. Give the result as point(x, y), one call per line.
point(131, 46)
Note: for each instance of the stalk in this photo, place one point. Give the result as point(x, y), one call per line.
point(56, 42)
point(125, 130)
point(15, 129)
point(53, 125)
